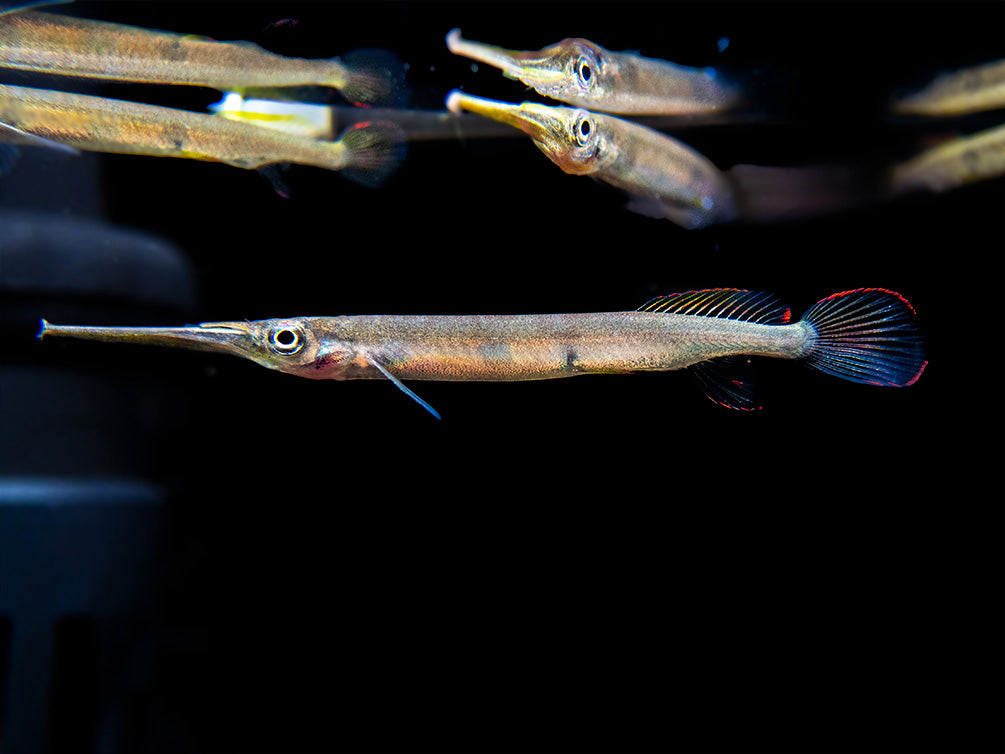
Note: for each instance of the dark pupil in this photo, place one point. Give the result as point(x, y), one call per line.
point(584, 128)
point(585, 72)
point(286, 337)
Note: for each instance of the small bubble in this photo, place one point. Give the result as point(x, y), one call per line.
point(723, 43)
point(474, 67)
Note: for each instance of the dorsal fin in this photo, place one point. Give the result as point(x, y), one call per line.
point(727, 303)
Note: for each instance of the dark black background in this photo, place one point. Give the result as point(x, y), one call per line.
point(608, 563)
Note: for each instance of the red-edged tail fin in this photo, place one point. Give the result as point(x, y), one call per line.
point(866, 335)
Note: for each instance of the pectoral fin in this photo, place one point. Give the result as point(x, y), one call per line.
point(23, 137)
point(401, 386)
point(6, 8)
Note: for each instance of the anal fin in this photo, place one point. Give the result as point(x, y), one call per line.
point(728, 381)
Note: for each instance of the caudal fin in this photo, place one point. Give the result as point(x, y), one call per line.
point(866, 335)
point(375, 150)
point(374, 77)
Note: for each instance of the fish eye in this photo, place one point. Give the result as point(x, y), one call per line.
point(584, 130)
point(584, 70)
point(285, 340)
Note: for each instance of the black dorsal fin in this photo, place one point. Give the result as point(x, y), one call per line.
point(727, 303)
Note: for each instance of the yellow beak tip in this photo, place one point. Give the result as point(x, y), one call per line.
point(454, 101)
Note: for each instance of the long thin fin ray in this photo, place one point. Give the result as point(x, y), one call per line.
point(401, 386)
point(725, 303)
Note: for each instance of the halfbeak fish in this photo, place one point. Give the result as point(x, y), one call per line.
point(868, 335)
point(664, 177)
point(970, 90)
point(954, 163)
point(366, 152)
point(581, 73)
point(49, 43)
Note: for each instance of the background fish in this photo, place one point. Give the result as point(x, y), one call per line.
point(581, 73)
point(51, 43)
point(366, 152)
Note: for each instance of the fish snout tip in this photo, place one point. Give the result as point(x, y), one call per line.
point(454, 99)
point(43, 326)
point(454, 39)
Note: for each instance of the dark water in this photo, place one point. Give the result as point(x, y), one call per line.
point(599, 564)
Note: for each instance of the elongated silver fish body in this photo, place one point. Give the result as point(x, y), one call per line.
point(636, 85)
point(662, 176)
point(962, 160)
point(534, 347)
point(578, 72)
point(666, 177)
point(49, 43)
point(970, 90)
point(366, 152)
point(110, 125)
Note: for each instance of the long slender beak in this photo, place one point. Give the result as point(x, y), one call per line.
point(514, 64)
point(539, 122)
point(221, 337)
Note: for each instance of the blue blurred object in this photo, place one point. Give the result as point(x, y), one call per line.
point(80, 517)
point(78, 561)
